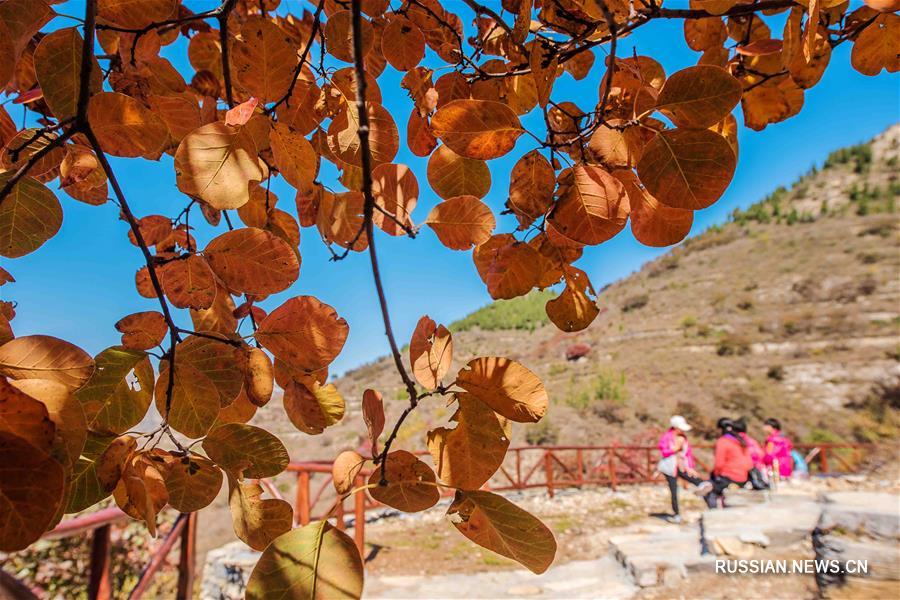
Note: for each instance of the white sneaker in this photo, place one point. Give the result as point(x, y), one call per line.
point(703, 488)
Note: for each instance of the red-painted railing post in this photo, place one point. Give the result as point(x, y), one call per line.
point(99, 586)
point(301, 510)
point(649, 474)
point(823, 459)
point(518, 468)
point(359, 522)
point(187, 559)
point(548, 470)
point(612, 467)
point(579, 462)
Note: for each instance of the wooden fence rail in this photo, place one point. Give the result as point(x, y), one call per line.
point(525, 467)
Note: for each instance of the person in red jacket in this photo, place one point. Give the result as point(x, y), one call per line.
point(731, 465)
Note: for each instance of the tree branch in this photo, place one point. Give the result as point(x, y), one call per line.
point(222, 17)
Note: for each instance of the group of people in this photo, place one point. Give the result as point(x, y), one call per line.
point(739, 460)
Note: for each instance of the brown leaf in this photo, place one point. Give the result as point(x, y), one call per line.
point(495, 523)
point(430, 352)
point(264, 60)
point(508, 267)
point(313, 409)
point(31, 490)
point(531, 184)
point(246, 451)
point(461, 222)
point(141, 492)
point(343, 135)
point(315, 561)
point(403, 44)
point(340, 220)
point(45, 357)
point(253, 261)
point(452, 175)
point(477, 129)
point(411, 484)
point(506, 386)
point(26, 417)
point(419, 138)
point(294, 156)
point(188, 282)
point(396, 192)
point(876, 46)
point(344, 470)
point(468, 455)
point(592, 205)
point(652, 223)
point(125, 127)
point(66, 413)
point(259, 377)
point(373, 416)
point(685, 168)
point(195, 400)
point(135, 14)
point(257, 521)
point(304, 332)
point(29, 216)
point(142, 330)
point(217, 163)
point(57, 65)
point(697, 97)
point(192, 482)
point(118, 394)
point(573, 309)
point(110, 463)
point(218, 361)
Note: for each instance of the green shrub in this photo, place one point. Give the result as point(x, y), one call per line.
point(635, 302)
point(541, 433)
point(733, 345)
point(606, 387)
point(526, 313)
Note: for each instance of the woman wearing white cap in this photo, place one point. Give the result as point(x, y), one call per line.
point(678, 461)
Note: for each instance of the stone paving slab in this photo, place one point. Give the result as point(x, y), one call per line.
point(875, 514)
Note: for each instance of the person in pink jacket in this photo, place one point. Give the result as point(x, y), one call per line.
point(753, 448)
point(678, 462)
point(778, 449)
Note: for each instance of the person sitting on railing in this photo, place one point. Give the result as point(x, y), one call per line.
point(755, 453)
point(678, 461)
point(731, 464)
point(778, 450)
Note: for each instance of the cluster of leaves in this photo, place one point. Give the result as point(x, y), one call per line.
point(274, 93)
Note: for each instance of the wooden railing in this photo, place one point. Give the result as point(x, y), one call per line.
point(526, 467)
point(549, 467)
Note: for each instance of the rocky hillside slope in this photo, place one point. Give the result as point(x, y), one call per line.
point(791, 309)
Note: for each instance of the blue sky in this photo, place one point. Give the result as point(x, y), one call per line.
point(80, 282)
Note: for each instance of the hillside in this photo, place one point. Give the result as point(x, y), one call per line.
point(791, 309)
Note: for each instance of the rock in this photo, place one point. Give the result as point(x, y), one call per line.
point(226, 572)
point(755, 537)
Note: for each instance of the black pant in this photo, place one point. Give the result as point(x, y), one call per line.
point(673, 486)
point(719, 484)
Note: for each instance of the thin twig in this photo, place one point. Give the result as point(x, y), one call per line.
point(369, 210)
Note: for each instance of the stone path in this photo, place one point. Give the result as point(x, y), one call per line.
point(649, 554)
point(603, 577)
